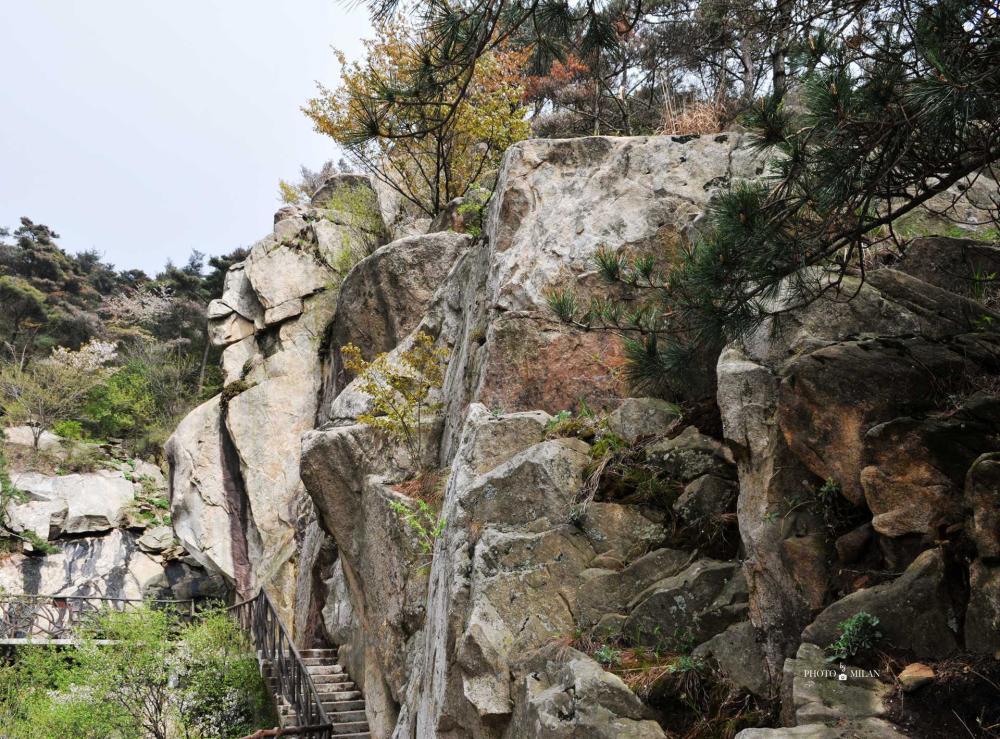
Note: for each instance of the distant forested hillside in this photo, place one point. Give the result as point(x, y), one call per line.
point(149, 333)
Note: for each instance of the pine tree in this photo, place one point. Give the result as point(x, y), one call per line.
point(898, 108)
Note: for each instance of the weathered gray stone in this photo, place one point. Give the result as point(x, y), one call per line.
point(156, 539)
point(606, 592)
point(639, 417)
point(72, 504)
point(982, 499)
point(697, 603)
point(691, 454)
point(950, 264)
point(982, 618)
point(110, 566)
point(235, 358)
point(826, 693)
point(622, 531)
point(200, 505)
point(869, 728)
point(914, 611)
point(229, 330)
point(740, 656)
point(23, 436)
point(571, 696)
point(385, 295)
point(706, 497)
point(238, 295)
point(283, 311)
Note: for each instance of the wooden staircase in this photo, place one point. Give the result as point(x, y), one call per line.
point(342, 701)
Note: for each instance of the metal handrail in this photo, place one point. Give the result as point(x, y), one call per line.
point(259, 618)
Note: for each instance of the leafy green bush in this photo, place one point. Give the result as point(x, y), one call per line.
point(8, 492)
point(122, 405)
point(857, 634)
point(222, 694)
point(356, 208)
point(162, 678)
point(423, 522)
point(608, 655)
point(72, 430)
point(400, 388)
point(471, 210)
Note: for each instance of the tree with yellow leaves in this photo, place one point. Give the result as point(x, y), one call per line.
point(400, 389)
point(452, 149)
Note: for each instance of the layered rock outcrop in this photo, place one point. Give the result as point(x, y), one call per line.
point(445, 646)
point(884, 396)
point(97, 533)
point(857, 472)
point(237, 500)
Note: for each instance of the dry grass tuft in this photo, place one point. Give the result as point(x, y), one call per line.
point(698, 117)
point(428, 486)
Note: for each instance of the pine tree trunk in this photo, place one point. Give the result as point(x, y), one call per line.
point(779, 78)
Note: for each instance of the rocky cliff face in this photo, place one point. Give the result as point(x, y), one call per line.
point(859, 443)
point(99, 533)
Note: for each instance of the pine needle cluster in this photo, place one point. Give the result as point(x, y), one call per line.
point(899, 111)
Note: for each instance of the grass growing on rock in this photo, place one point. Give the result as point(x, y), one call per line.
point(621, 472)
point(688, 696)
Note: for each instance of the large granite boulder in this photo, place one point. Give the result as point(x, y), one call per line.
point(694, 604)
point(915, 611)
point(837, 393)
point(237, 498)
point(569, 695)
point(384, 297)
point(112, 566)
point(53, 505)
point(204, 495)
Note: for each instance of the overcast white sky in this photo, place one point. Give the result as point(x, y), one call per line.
point(145, 129)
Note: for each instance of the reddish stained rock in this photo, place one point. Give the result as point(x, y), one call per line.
point(533, 362)
point(805, 557)
point(831, 397)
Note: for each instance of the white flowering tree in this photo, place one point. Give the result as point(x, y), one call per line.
point(53, 389)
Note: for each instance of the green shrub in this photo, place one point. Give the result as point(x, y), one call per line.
point(608, 655)
point(39, 544)
point(222, 694)
point(162, 678)
point(857, 634)
point(400, 387)
point(72, 430)
point(356, 208)
point(471, 210)
point(81, 457)
point(122, 405)
point(423, 522)
point(8, 492)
